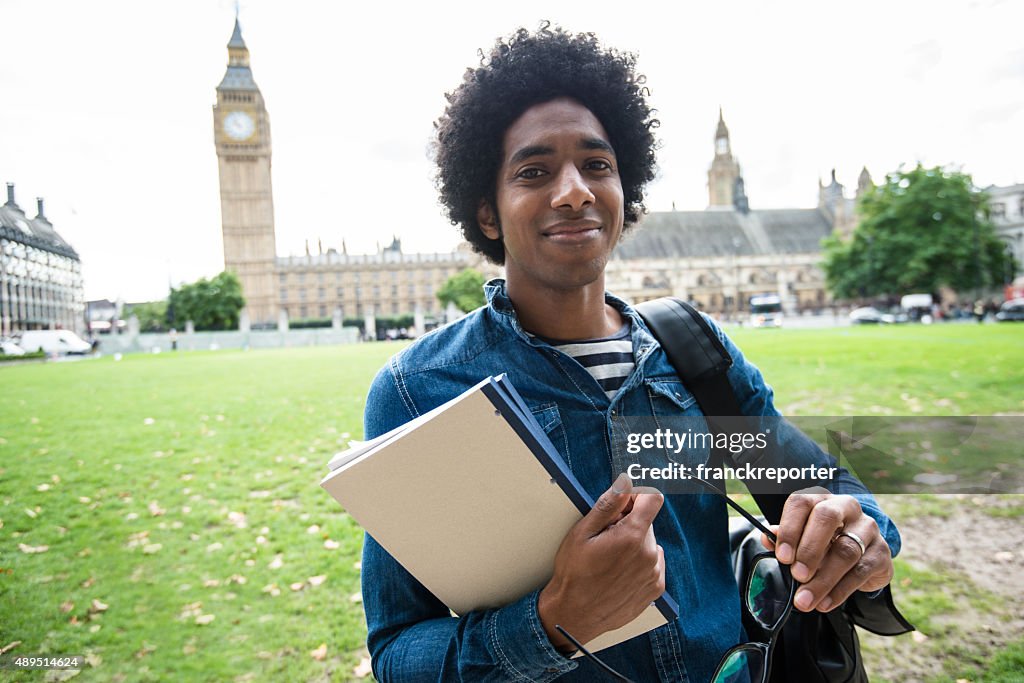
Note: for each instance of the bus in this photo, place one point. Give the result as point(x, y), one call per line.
point(766, 310)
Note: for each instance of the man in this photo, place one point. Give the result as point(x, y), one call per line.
point(543, 154)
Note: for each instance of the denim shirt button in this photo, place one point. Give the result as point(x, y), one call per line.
point(551, 670)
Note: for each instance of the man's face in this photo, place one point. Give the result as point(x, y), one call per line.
point(560, 205)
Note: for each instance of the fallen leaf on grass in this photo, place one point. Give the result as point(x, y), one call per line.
point(146, 649)
point(356, 597)
point(98, 606)
point(66, 607)
point(214, 546)
point(151, 548)
point(357, 565)
point(277, 562)
point(93, 659)
point(331, 545)
point(238, 519)
point(204, 619)
point(363, 669)
point(297, 586)
point(95, 628)
point(320, 653)
point(317, 580)
point(155, 509)
point(918, 637)
point(43, 487)
point(211, 583)
point(315, 529)
point(88, 582)
point(272, 589)
point(9, 646)
point(237, 578)
point(148, 421)
point(31, 513)
point(32, 549)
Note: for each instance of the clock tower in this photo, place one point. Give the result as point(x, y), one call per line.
point(724, 169)
point(241, 132)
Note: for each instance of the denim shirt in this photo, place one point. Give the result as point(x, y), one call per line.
point(412, 636)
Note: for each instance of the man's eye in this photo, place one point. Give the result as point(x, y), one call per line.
point(598, 165)
point(530, 173)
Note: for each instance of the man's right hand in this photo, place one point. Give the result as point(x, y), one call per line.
point(608, 569)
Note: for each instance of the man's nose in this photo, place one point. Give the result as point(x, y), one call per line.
point(571, 189)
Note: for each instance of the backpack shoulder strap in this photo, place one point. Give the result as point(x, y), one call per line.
point(695, 351)
point(702, 361)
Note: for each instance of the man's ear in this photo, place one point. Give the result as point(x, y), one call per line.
point(488, 220)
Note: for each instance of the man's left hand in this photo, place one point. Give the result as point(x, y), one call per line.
point(823, 529)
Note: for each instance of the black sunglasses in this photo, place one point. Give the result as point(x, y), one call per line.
point(768, 597)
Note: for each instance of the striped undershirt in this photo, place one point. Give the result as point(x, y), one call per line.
point(609, 360)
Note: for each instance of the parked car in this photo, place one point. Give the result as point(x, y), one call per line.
point(869, 315)
point(1011, 311)
point(54, 341)
point(9, 348)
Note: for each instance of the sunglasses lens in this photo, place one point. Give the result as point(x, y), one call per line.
point(741, 666)
point(768, 592)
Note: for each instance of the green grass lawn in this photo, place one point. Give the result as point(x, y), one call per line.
point(161, 514)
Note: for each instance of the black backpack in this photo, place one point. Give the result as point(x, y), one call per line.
point(813, 647)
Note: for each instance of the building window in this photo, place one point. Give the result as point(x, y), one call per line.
point(412, 290)
point(394, 291)
point(341, 292)
point(320, 294)
point(302, 295)
point(302, 278)
point(394, 275)
point(394, 308)
point(320, 276)
point(323, 311)
point(999, 210)
point(376, 276)
point(302, 311)
point(376, 291)
point(283, 277)
point(284, 294)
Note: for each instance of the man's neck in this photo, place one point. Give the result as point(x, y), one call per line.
point(578, 313)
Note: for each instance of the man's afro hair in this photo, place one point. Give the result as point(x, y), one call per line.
point(528, 69)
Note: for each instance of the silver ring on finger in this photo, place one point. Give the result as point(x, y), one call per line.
point(856, 539)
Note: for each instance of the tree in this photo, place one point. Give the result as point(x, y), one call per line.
point(920, 230)
point(465, 289)
point(152, 316)
point(209, 304)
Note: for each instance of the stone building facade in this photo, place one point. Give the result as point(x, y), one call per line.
point(728, 253)
point(40, 274)
point(1007, 211)
point(326, 282)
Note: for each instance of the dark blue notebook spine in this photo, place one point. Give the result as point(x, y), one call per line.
point(506, 400)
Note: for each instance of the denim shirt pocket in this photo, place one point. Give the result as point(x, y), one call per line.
point(674, 408)
point(550, 420)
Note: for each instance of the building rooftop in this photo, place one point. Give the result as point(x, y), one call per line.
point(36, 232)
point(704, 234)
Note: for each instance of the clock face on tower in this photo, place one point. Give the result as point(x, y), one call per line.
point(239, 126)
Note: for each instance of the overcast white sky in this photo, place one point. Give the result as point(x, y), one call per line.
point(106, 109)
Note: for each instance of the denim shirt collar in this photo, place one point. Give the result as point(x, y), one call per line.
point(498, 302)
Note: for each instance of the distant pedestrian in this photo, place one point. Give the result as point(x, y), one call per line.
point(979, 310)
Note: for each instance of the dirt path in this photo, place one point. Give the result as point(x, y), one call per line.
point(966, 575)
